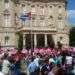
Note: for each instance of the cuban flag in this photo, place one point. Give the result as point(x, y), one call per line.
point(26, 16)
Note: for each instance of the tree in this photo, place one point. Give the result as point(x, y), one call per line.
point(20, 40)
point(72, 36)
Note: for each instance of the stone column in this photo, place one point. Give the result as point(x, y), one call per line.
point(35, 41)
point(46, 40)
point(24, 41)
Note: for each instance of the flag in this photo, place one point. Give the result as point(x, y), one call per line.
point(26, 16)
point(29, 15)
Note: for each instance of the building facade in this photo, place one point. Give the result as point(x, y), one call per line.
point(42, 22)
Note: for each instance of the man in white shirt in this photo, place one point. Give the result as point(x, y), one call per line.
point(1, 73)
point(69, 60)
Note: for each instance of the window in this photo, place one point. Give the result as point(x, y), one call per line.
point(7, 20)
point(24, 10)
point(42, 17)
point(59, 6)
point(60, 9)
point(61, 38)
point(60, 17)
point(50, 6)
point(23, 5)
point(50, 9)
point(33, 9)
point(42, 23)
point(42, 10)
point(50, 17)
point(60, 24)
point(33, 18)
point(6, 40)
point(33, 22)
point(33, 6)
point(6, 4)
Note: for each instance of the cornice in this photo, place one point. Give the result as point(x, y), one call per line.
point(45, 1)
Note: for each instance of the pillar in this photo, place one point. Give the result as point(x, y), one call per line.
point(46, 40)
point(35, 41)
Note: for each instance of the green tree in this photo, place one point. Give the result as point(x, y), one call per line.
point(20, 40)
point(72, 37)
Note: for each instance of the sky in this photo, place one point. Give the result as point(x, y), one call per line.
point(71, 12)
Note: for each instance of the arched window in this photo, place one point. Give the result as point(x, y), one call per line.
point(23, 8)
point(7, 20)
point(59, 9)
point(33, 9)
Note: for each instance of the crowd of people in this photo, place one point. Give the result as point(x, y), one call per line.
point(45, 61)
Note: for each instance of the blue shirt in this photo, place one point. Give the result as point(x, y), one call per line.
point(32, 67)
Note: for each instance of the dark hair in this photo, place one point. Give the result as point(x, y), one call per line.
point(32, 58)
point(5, 56)
point(23, 73)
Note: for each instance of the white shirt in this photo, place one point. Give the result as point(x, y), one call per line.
point(68, 60)
point(1, 73)
point(51, 60)
point(36, 62)
point(5, 66)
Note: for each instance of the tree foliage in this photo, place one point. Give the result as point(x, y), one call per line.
point(72, 36)
point(20, 40)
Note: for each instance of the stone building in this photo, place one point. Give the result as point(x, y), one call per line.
point(42, 22)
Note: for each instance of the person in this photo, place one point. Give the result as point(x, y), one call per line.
point(69, 60)
point(23, 73)
point(1, 61)
point(1, 73)
point(24, 65)
point(32, 67)
point(45, 68)
point(36, 61)
point(5, 65)
point(51, 71)
point(14, 68)
point(1, 66)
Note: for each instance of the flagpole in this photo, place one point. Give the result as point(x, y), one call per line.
point(31, 36)
point(23, 18)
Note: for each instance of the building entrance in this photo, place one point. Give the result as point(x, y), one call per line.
point(40, 41)
point(50, 41)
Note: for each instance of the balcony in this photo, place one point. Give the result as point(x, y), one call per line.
point(38, 28)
